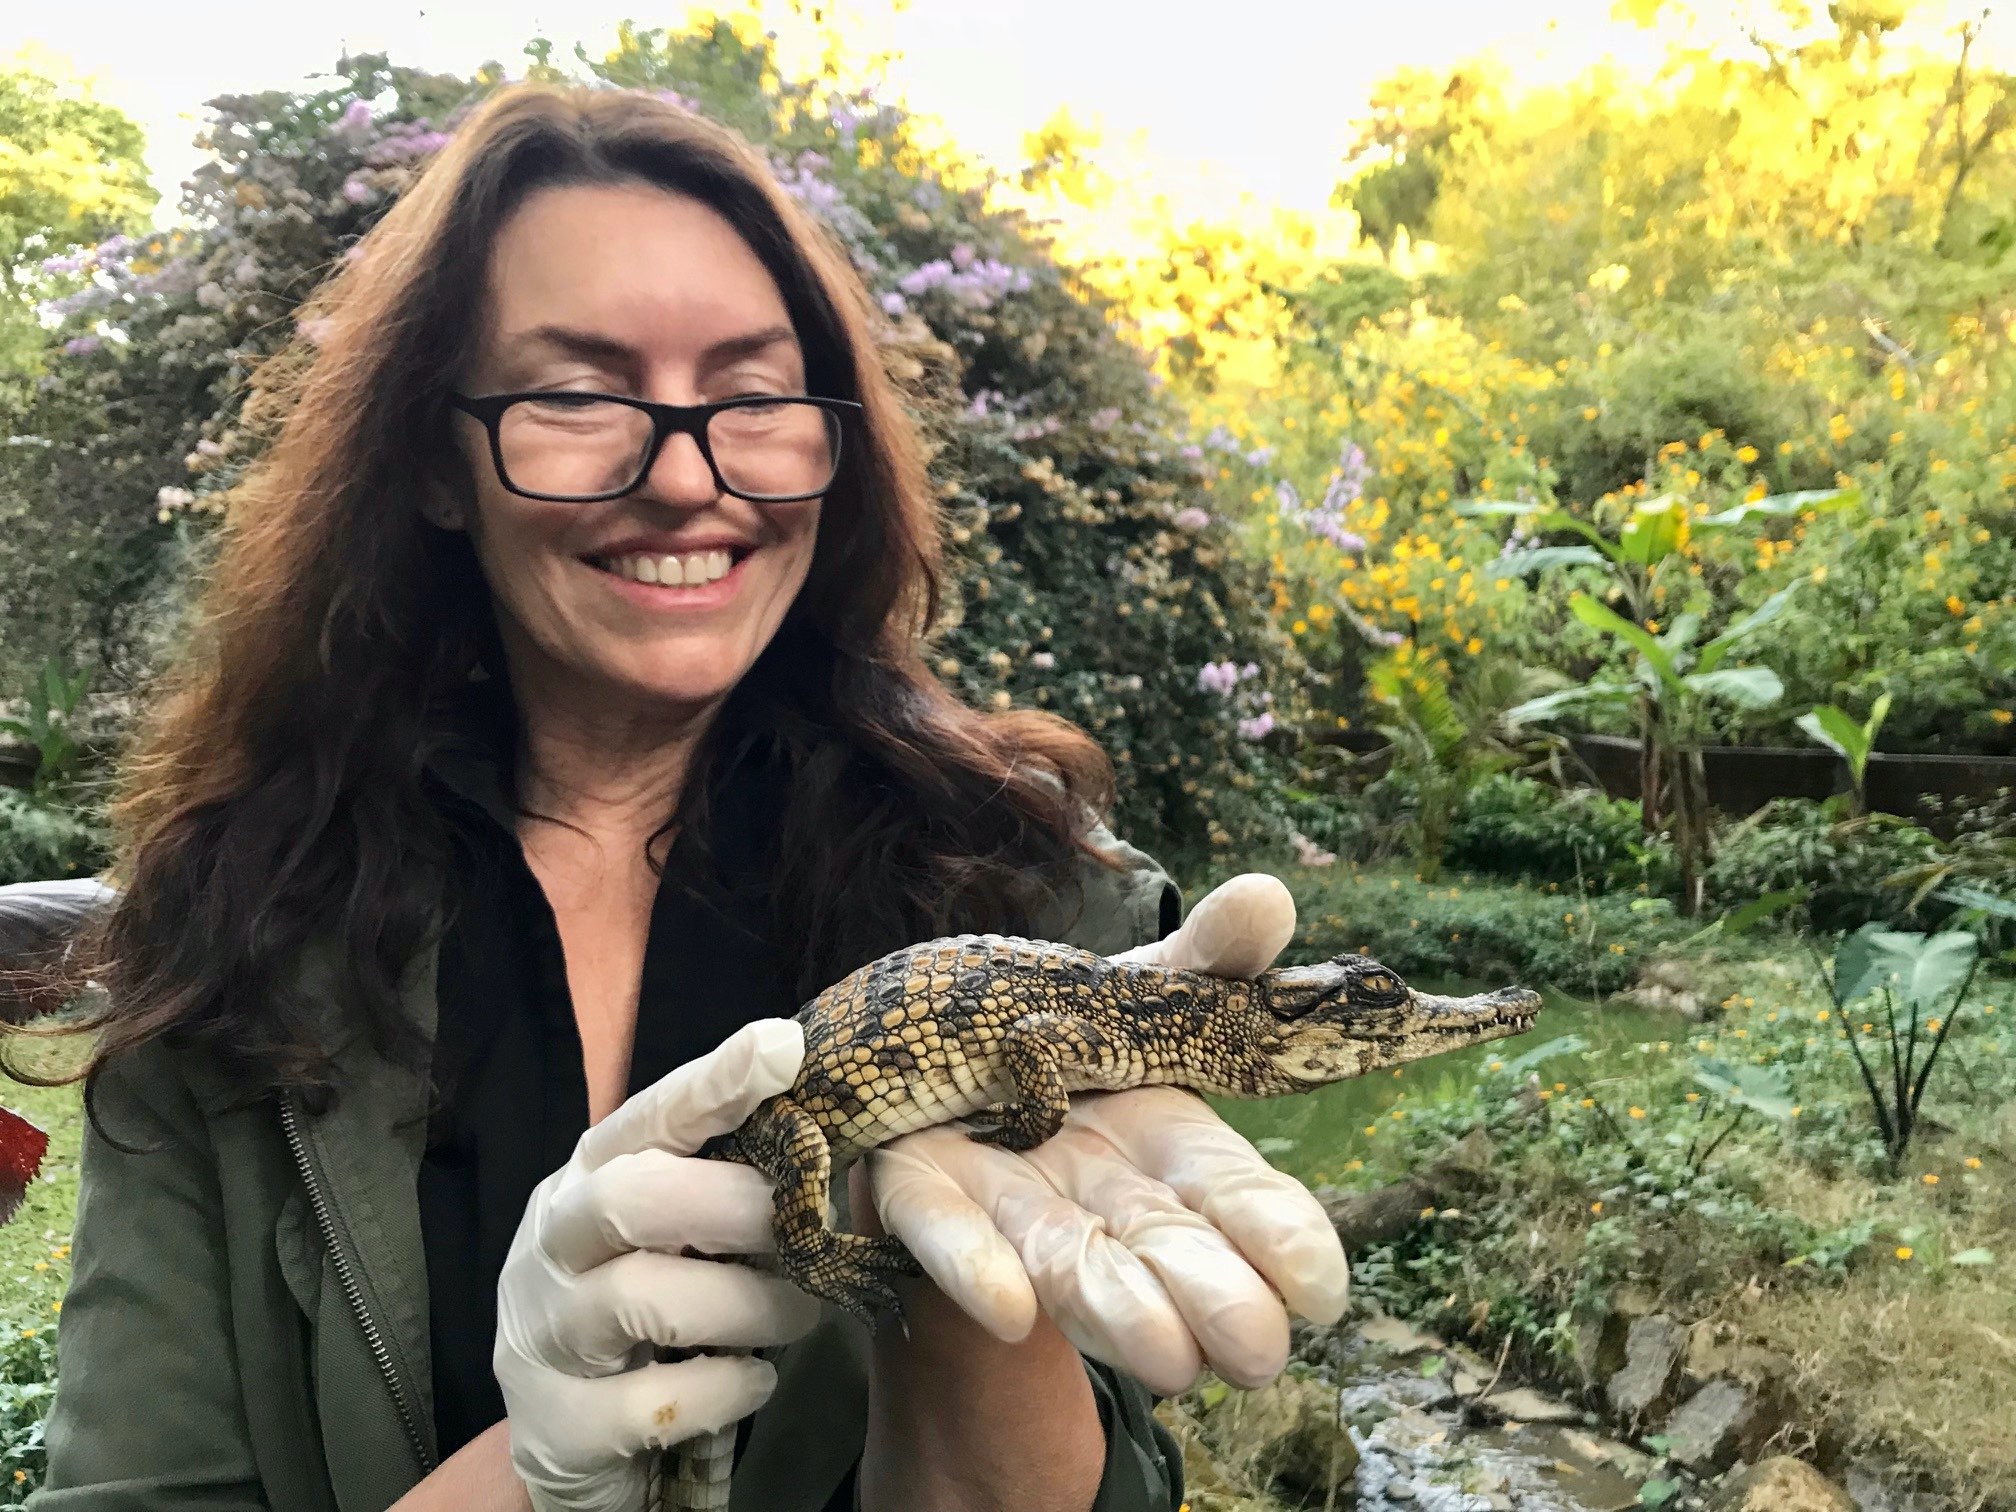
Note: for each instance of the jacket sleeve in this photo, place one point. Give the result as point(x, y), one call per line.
point(148, 1413)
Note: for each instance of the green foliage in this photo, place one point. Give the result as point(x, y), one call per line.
point(1445, 736)
point(27, 1385)
point(43, 841)
point(1853, 740)
point(1544, 936)
point(1516, 827)
point(48, 723)
point(1847, 868)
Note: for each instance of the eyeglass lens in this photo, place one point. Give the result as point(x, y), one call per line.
point(584, 446)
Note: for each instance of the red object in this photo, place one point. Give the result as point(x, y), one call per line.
point(22, 1147)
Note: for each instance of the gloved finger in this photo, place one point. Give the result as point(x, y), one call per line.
point(657, 1201)
point(1236, 930)
point(1278, 1226)
point(1234, 1315)
point(593, 1322)
point(712, 1095)
point(950, 1234)
point(616, 1417)
point(978, 1218)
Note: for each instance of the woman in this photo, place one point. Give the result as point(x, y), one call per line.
point(534, 758)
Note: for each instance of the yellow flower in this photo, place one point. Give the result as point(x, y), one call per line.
point(1954, 606)
point(1905, 1252)
point(1930, 1178)
point(1590, 413)
point(2001, 716)
point(1820, 573)
point(1588, 1102)
point(1371, 1128)
point(1746, 455)
point(1595, 1207)
point(1972, 1162)
point(1693, 1097)
point(1823, 1015)
point(1839, 430)
point(1637, 1112)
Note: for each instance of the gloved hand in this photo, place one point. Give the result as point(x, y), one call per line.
point(1156, 1237)
point(596, 1275)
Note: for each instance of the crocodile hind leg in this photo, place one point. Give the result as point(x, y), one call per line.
point(784, 1142)
point(1034, 1051)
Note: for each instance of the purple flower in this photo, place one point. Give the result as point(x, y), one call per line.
point(63, 264)
point(356, 119)
point(357, 191)
point(1260, 456)
point(1193, 518)
point(1256, 728)
point(1217, 677)
point(1043, 661)
point(895, 304)
point(673, 97)
point(81, 346)
point(962, 257)
point(1105, 419)
point(1191, 453)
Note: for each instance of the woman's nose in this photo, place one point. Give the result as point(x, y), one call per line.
point(680, 474)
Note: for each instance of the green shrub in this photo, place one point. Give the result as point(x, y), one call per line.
point(1843, 864)
point(1545, 936)
point(1516, 827)
point(27, 1386)
point(40, 841)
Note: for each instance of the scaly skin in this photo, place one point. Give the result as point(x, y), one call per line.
point(1003, 1031)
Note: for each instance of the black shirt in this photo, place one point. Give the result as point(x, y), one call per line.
point(513, 1096)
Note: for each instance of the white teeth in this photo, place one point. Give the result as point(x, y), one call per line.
point(688, 571)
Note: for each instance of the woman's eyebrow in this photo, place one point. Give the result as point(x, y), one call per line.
point(594, 347)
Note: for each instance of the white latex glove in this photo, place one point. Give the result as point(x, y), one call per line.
point(1156, 1237)
point(598, 1273)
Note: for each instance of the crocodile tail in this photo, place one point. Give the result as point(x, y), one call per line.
point(699, 1474)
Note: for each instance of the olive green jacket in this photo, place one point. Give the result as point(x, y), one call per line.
point(246, 1325)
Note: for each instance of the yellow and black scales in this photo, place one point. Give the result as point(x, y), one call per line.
point(1002, 1031)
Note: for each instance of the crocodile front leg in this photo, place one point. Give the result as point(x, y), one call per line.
point(785, 1143)
point(1035, 1050)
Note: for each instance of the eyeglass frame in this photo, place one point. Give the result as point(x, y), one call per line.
point(667, 420)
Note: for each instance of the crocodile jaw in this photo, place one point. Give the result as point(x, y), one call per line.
point(1316, 1052)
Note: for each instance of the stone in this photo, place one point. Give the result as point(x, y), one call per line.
point(1397, 1338)
point(1290, 1431)
point(1707, 1431)
point(1780, 1484)
point(1652, 1348)
point(1522, 1404)
point(1599, 1346)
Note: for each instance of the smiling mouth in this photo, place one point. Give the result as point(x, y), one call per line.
point(689, 569)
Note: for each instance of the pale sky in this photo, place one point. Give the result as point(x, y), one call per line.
point(1215, 97)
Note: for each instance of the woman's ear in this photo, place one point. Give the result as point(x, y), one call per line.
point(439, 508)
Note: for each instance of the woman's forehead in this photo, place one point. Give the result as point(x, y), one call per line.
point(639, 267)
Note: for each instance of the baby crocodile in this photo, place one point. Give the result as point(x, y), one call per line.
point(1002, 1031)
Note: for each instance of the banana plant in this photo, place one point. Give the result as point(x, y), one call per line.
point(1853, 740)
point(1679, 675)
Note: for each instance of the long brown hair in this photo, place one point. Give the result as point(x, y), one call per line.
point(275, 797)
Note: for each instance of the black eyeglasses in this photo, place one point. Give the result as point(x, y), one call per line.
point(570, 447)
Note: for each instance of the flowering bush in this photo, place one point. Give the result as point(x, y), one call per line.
point(1087, 578)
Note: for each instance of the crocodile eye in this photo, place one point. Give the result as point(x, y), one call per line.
point(1379, 983)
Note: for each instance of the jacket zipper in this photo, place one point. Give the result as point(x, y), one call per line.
point(346, 1276)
